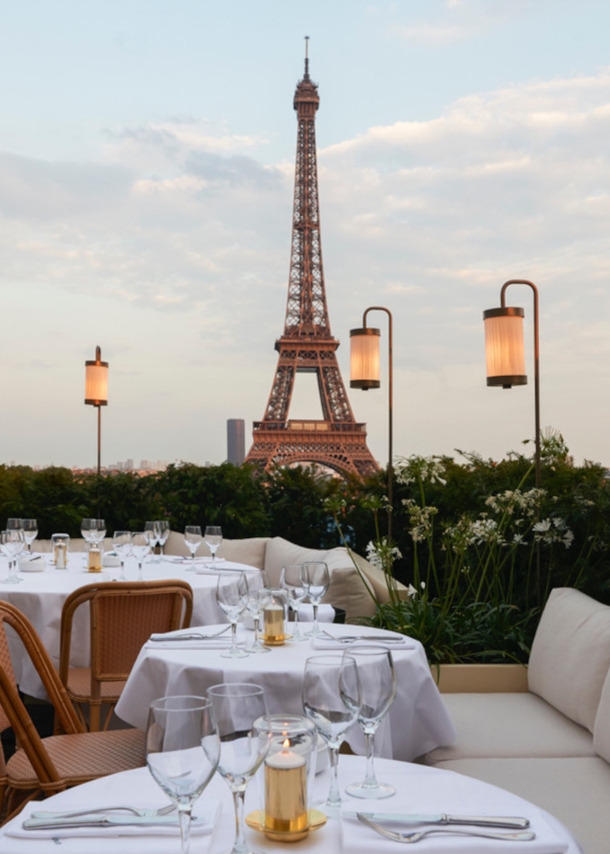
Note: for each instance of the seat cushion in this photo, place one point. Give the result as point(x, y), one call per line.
point(82, 757)
point(570, 655)
point(79, 686)
point(575, 790)
point(510, 725)
point(601, 729)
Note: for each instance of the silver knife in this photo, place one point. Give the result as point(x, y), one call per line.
point(102, 821)
point(443, 818)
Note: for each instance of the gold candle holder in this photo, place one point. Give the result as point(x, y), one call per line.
point(274, 625)
point(94, 560)
point(286, 816)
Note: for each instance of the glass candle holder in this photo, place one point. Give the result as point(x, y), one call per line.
point(61, 544)
point(288, 778)
point(94, 558)
point(274, 619)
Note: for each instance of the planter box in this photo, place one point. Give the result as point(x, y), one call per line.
point(480, 678)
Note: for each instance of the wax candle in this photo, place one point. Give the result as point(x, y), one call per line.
point(274, 625)
point(94, 560)
point(59, 555)
point(286, 817)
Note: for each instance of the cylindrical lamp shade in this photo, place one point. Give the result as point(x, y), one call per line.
point(364, 358)
point(504, 347)
point(96, 381)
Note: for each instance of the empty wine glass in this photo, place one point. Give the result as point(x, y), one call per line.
point(290, 581)
point(232, 597)
point(245, 736)
point(213, 539)
point(121, 543)
point(30, 532)
point(99, 533)
point(315, 578)
point(153, 532)
point(140, 549)
point(326, 681)
point(164, 532)
point(378, 691)
point(182, 752)
point(11, 545)
point(193, 539)
point(258, 599)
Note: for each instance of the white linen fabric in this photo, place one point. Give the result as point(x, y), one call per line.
point(416, 723)
point(424, 789)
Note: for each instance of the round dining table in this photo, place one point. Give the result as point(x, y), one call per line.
point(420, 789)
point(41, 594)
point(417, 722)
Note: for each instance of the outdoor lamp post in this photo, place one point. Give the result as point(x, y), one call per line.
point(96, 393)
point(365, 374)
point(505, 352)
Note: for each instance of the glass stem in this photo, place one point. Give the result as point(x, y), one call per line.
point(185, 828)
point(257, 621)
point(334, 796)
point(315, 628)
point(369, 777)
point(295, 610)
point(233, 635)
point(239, 846)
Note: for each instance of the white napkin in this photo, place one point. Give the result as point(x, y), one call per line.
point(223, 642)
point(326, 613)
point(206, 817)
point(324, 642)
point(360, 839)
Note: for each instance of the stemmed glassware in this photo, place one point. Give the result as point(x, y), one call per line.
point(182, 752)
point(315, 578)
point(30, 532)
point(193, 539)
point(232, 598)
point(11, 545)
point(121, 543)
point(164, 532)
point(140, 549)
point(327, 682)
point(291, 582)
point(378, 691)
point(213, 539)
point(153, 533)
point(245, 736)
point(258, 599)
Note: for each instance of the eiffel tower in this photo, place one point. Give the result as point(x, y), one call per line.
point(307, 345)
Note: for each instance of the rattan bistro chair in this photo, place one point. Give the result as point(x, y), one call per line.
point(123, 615)
point(43, 766)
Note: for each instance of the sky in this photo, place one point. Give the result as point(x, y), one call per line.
point(146, 180)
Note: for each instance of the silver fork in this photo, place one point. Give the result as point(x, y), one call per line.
point(371, 638)
point(190, 636)
point(141, 812)
point(415, 836)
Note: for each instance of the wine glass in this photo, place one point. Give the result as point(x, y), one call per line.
point(182, 752)
point(315, 578)
point(164, 532)
point(11, 544)
point(192, 538)
point(377, 693)
point(245, 736)
point(213, 539)
point(232, 597)
point(121, 543)
point(30, 532)
point(258, 599)
point(88, 528)
point(327, 679)
point(290, 581)
point(140, 549)
point(153, 532)
point(99, 533)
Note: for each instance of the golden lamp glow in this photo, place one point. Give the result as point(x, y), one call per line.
point(364, 358)
point(504, 347)
point(96, 380)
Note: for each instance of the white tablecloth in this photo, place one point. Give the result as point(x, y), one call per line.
point(41, 595)
point(428, 789)
point(417, 722)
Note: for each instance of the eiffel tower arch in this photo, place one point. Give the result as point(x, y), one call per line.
point(307, 345)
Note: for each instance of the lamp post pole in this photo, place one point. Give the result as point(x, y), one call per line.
point(96, 394)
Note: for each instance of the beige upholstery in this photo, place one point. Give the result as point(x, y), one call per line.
point(250, 550)
point(576, 790)
point(510, 725)
point(601, 730)
point(571, 654)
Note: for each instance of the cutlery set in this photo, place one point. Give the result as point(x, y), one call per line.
point(475, 821)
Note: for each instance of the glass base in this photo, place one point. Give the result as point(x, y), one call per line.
point(360, 790)
point(258, 648)
point(12, 580)
point(298, 638)
point(234, 653)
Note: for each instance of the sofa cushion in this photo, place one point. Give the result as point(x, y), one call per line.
point(601, 730)
point(570, 655)
point(250, 550)
point(347, 589)
point(510, 725)
point(574, 790)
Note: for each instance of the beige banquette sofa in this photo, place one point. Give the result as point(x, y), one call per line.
point(550, 741)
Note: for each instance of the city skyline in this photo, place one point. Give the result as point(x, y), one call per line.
point(146, 177)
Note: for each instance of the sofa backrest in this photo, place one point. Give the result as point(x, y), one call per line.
point(250, 550)
point(570, 656)
point(601, 729)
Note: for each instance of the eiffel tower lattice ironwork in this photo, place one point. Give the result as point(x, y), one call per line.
point(307, 345)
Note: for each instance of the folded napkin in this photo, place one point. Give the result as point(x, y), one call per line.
point(206, 815)
point(326, 613)
point(360, 839)
point(181, 639)
point(388, 641)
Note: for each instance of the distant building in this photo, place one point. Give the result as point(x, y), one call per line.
point(236, 441)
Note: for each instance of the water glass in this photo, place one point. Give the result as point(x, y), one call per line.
point(213, 539)
point(11, 545)
point(232, 597)
point(121, 543)
point(140, 549)
point(164, 532)
point(193, 539)
point(290, 581)
point(315, 578)
point(30, 532)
